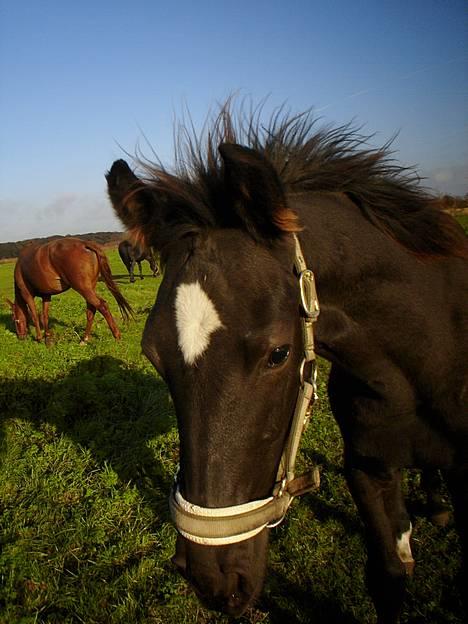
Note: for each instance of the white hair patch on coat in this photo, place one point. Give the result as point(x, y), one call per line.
point(403, 546)
point(196, 320)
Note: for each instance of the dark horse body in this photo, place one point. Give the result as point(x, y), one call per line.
point(134, 254)
point(43, 270)
point(391, 274)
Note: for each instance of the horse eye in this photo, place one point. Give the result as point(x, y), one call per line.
point(278, 356)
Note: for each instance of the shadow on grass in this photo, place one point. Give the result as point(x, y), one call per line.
point(318, 502)
point(300, 601)
point(6, 321)
point(125, 278)
point(118, 413)
point(107, 408)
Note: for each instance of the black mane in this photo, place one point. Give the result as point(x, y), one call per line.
point(307, 159)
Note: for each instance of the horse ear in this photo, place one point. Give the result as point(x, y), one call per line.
point(257, 194)
point(132, 201)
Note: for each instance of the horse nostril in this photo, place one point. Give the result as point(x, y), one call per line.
point(239, 593)
point(234, 601)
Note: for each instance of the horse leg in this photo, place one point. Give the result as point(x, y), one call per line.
point(376, 490)
point(400, 522)
point(379, 501)
point(132, 271)
point(34, 317)
point(90, 312)
point(45, 318)
point(104, 310)
point(141, 270)
point(97, 303)
point(154, 266)
point(437, 509)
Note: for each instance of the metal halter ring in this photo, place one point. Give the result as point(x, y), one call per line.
point(309, 298)
point(313, 376)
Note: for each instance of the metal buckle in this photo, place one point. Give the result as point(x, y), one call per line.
point(309, 298)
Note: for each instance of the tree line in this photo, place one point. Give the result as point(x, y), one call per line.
point(450, 203)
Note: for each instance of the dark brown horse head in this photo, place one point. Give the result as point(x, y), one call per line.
point(20, 319)
point(231, 363)
point(225, 335)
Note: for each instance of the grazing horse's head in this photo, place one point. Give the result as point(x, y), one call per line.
point(225, 334)
point(20, 319)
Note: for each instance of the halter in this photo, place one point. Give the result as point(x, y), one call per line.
point(228, 525)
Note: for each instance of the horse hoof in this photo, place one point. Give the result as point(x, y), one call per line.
point(83, 343)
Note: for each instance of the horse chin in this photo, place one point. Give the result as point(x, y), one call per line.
point(225, 578)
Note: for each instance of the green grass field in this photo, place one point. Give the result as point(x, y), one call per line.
point(88, 449)
point(463, 220)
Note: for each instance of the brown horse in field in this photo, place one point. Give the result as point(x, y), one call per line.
point(43, 270)
point(135, 254)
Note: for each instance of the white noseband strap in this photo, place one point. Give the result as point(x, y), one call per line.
point(228, 525)
point(224, 525)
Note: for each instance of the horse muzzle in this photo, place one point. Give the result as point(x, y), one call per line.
point(225, 578)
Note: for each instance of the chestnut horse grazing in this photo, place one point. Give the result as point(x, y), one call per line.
point(43, 270)
point(251, 209)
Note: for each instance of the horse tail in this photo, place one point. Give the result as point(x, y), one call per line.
point(125, 308)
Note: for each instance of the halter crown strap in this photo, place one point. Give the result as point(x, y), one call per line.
point(228, 525)
point(308, 386)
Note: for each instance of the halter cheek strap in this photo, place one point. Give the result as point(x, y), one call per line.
point(307, 394)
point(228, 525)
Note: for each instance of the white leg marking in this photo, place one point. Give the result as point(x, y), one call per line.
point(403, 546)
point(196, 320)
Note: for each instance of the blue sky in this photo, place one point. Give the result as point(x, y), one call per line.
point(81, 81)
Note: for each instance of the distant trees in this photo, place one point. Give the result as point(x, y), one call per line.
point(450, 203)
point(453, 204)
point(11, 250)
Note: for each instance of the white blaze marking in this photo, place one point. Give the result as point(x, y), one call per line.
point(196, 320)
point(404, 548)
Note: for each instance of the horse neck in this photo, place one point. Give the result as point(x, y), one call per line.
point(338, 242)
point(20, 302)
point(349, 258)
point(22, 290)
